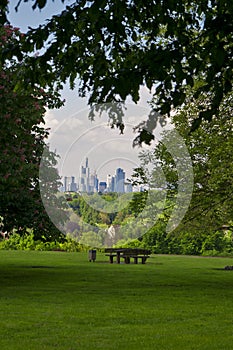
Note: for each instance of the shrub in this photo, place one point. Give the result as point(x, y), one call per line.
point(27, 242)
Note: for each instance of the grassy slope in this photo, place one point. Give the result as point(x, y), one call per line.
point(52, 300)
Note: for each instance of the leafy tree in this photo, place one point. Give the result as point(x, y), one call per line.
point(156, 238)
point(211, 154)
point(22, 145)
point(114, 47)
point(210, 148)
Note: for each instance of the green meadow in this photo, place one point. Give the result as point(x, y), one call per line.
point(58, 300)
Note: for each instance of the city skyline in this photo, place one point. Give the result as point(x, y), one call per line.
point(89, 182)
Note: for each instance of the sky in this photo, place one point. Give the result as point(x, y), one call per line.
point(73, 135)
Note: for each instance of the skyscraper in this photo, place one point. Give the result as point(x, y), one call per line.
point(120, 181)
point(85, 178)
point(73, 185)
point(109, 183)
point(113, 184)
point(69, 184)
point(93, 183)
point(65, 184)
point(88, 181)
point(128, 187)
point(102, 186)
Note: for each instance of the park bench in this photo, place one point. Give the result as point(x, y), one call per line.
point(136, 257)
point(127, 254)
point(136, 254)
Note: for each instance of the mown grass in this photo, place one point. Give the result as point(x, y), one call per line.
point(57, 300)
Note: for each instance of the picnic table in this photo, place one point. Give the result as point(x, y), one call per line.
point(126, 254)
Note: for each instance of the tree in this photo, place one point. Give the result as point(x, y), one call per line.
point(114, 47)
point(210, 148)
point(211, 153)
point(22, 146)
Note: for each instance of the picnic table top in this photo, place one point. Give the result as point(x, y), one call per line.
point(135, 251)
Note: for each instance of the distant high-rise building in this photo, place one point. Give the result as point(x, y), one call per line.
point(109, 183)
point(85, 178)
point(96, 183)
point(102, 186)
point(120, 181)
point(73, 185)
point(65, 184)
point(113, 184)
point(93, 183)
point(69, 184)
point(128, 187)
point(88, 181)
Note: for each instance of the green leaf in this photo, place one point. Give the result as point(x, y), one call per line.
point(165, 108)
point(39, 3)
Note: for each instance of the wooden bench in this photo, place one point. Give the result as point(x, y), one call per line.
point(127, 254)
point(135, 257)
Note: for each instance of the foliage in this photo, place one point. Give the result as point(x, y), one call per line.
point(211, 153)
point(203, 228)
point(210, 148)
point(98, 209)
point(103, 212)
point(22, 145)
point(130, 243)
point(185, 240)
point(205, 242)
point(115, 47)
point(28, 241)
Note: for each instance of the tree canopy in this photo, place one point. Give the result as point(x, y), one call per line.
point(114, 47)
point(212, 158)
point(22, 145)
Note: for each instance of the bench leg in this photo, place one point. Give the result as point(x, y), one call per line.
point(143, 260)
point(111, 259)
point(135, 260)
point(127, 260)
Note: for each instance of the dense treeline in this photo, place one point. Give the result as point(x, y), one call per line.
point(157, 240)
point(201, 241)
point(188, 243)
point(93, 210)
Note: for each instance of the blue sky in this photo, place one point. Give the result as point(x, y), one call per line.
point(25, 17)
point(72, 135)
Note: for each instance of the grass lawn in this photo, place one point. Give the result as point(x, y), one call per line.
point(56, 300)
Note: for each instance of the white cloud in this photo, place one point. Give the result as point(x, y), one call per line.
point(50, 120)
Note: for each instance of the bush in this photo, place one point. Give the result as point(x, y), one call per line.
point(130, 243)
point(27, 242)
